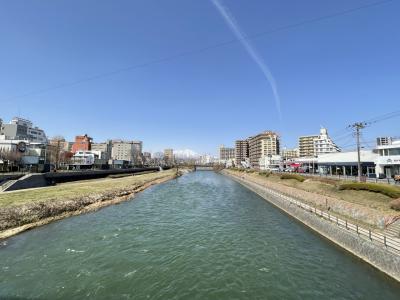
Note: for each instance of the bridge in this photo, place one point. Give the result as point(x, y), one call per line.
point(203, 168)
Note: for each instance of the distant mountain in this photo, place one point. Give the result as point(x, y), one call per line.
point(186, 154)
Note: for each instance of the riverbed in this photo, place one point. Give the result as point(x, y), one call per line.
point(201, 236)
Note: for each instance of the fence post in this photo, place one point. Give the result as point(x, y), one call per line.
point(384, 240)
point(357, 228)
point(369, 234)
point(337, 220)
point(346, 224)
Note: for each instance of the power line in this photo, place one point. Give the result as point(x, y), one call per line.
point(198, 51)
point(383, 117)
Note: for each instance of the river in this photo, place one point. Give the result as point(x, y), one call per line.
point(201, 236)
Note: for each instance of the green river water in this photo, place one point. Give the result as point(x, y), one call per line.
point(202, 236)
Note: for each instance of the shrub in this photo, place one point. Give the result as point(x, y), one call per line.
point(390, 191)
point(395, 204)
point(293, 176)
point(264, 173)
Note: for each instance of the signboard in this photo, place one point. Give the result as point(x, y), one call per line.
point(389, 160)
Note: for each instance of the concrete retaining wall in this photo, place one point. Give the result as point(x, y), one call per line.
point(373, 253)
point(46, 179)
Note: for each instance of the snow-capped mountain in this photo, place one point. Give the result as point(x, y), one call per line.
point(186, 154)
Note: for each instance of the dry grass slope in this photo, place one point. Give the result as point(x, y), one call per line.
point(72, 190)
point(30, 206)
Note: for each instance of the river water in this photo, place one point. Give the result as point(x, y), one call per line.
point(202, 236)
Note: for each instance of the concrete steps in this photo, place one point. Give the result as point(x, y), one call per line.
point(393, 230)
point(6, 185)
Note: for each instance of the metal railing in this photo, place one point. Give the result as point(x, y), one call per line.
point(390, 243)
point(354, 178)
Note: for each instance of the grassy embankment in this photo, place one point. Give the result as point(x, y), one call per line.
point(374, 197)
point(18, 208)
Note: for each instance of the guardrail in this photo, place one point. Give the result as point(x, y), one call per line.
point(390, 243)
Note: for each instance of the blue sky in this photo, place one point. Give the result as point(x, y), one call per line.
point(332, 72)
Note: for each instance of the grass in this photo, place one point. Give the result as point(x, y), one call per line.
point(387, 190)
point(365, 198)
point(293, 176)
point(72, 190)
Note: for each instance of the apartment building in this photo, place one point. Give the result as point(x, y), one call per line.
point(306, 145)
point(263, 144)
point(103, 150)
point(169, 155)
point(122, 150)
point(314, 145)
point(226, 153)
point(289, 154)
point(324, 144)
point(241, 151)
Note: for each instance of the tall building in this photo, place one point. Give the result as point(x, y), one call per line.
point(324, 144)
point(306, 145)
point(263, 144)
point(103, 150)
point(226, 153)
point(169, 155)
point(314, 145)
point(124, 150)
point(82, 143)
point(241, 151)
point(22, 129)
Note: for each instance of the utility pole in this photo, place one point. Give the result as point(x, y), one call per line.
point(357, 127)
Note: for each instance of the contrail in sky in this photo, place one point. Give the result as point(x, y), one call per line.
point(234, 26)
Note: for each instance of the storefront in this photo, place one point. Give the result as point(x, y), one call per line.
point(346, 163)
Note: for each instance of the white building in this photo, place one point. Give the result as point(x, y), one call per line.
point(346, 163)
point(314, 145)
point(323, 144)
point(271, 163)
point(84, 158)
point(388, 161)
point(22, 129)
point(206, 159)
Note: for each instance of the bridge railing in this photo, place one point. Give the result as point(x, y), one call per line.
point(390, 243)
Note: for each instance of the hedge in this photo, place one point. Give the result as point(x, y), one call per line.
point(293, 176)
point(264, 173)
point(390, 191)
point(395, 204)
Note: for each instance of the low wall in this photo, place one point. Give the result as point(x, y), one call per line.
point(46, 179)
point(371, 252)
